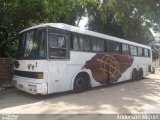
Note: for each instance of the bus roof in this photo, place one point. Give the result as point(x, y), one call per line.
point(86, 32)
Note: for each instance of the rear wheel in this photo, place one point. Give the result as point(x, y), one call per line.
point(140, 73)
point(134, 74)
point(81, 82)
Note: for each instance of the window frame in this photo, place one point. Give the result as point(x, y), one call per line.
point(57, 57)
point(98, 40)
point(22, 57)
point(90, 38)
point(106, 46)
point(138, 54)
point(83, 38)
point(128, 49)
point(149, 53)
point(135, 49)
point(109, 46)
point(87, 38)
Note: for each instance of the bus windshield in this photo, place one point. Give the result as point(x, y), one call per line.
point(32, 44)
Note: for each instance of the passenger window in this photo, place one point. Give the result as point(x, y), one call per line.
point(146, 53)
point(86, 43)
point(76, 45)
point(61, 41)
point(114, 47)
point(149, 53)
point(57, 41)
point(57, 44)
point(97, 45)
point(101, 45)
point(94, 44)
point(81, 42)
point(133, 50)
point(105, 46)
point(140, 51)
point(52, 40)
point(125, 49)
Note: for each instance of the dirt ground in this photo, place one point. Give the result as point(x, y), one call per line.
point(141, 96)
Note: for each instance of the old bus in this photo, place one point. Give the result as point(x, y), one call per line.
point(57, 57)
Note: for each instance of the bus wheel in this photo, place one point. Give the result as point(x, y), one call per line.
point(81, 82)
point(134, 74)
point(140, 73)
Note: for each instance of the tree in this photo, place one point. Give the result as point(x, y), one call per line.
point(17, 15)
point(128, 19)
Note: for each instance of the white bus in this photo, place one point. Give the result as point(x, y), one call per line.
point(57, 57)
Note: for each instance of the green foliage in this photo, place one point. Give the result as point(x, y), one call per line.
point(7, 46)
point(16, 15)
point(128, 19)
point(66, 11)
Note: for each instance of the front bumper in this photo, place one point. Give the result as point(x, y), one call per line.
point(30, 87)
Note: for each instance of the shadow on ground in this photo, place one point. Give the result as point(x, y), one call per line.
point(127, 97)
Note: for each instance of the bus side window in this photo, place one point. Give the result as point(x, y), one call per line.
point(81, 42)
point(146, 52)
point(97, 44)
point(57, 46)
point(106, 45)
point(114, 47)
point(52, 40)
point(101, 45)
point(61, 41)
point(140, 51)
point(77, 42)
point(133, 50)
point(86, 43)
point(149, 53)
point(125, 49)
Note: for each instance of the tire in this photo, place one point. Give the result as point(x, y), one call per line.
point(153, 70)
point(134, 74)
point(81, 82)
point(140, 73)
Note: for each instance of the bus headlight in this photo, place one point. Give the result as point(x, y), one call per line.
point(40, 76)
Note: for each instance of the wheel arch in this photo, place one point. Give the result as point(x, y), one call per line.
point(134, 72)
point(77, 73)
point(141, 73)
